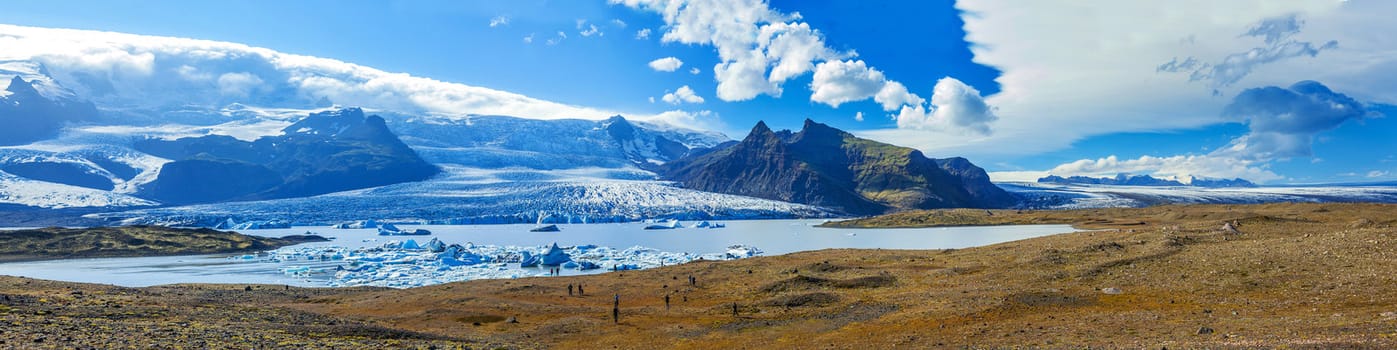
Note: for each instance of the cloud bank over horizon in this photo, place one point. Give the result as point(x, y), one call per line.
point(1068, 74)
point(148, 73)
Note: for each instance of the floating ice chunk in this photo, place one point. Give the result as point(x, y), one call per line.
point(529, 260)
point(436, 246)
point(554, 256)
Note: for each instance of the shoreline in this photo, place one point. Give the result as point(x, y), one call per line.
point(59, 243)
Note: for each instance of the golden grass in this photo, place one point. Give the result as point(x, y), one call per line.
point(1297, 276)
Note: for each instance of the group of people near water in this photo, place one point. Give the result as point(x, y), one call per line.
point(616, 299)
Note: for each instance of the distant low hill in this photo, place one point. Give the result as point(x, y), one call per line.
point(123, 241)
point(1145, 180)
point(828, 167)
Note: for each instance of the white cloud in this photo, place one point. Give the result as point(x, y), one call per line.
point(699, 120)
point(961, 106)
point(759, 48)
point(894, 95)
point(1173, 166)
point(591, 30)
point(238, 84)
point(642, 34)
point(682, 95)
point(1277, 33)
point(837, 82)
point(1091, 68)
point(499, 21)
point(529, 39)
point(858, 116)
point(667, 64)
point(618, 23)
point(694, 71)
point(124, 70)
point(557, 39)
point(1377, 173)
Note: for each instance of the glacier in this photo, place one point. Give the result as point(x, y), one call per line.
point(485, 196)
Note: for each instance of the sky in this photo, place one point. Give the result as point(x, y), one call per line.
point(1272, 91)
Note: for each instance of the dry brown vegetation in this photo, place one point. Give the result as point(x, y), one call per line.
point(1293, 275)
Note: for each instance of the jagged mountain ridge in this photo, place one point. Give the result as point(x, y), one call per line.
point(824, 166)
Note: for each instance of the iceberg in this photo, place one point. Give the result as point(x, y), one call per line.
point(554, 256)
point(406, 264)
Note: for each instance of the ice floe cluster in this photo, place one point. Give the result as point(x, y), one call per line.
point(405, 264)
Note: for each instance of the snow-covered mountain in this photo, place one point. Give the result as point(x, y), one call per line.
point(497, 168)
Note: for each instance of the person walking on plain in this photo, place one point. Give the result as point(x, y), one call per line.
point(616, 310)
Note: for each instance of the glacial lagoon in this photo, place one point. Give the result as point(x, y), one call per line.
point(772, 237)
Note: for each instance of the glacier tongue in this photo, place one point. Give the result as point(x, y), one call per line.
point(475, 196)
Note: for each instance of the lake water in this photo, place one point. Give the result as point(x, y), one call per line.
point(774, 237)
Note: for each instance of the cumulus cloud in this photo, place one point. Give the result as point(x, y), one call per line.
point(893, 95)
point(529, 39)
point(499, 21)
point(694, 71)
point(618, 23)
point(667, 64)
point(1283, 122)
point(124, 70)
point(837, 82)
point(954, 106)
point(642, 34)
point(682, 95)
point(858, 116)
point(758, 48)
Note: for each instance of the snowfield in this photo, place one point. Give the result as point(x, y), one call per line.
point(48, 195)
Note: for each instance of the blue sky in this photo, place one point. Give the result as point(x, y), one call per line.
point(1077, 89)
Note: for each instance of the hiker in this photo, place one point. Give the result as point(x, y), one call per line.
point(616, 309)
point(666, 302)
point(734, 309)
point(692, 281)
point(569, 289)
point(579, 290)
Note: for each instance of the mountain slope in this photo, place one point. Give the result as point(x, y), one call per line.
point(28, 116)
point(824, 166)
point(325, 152)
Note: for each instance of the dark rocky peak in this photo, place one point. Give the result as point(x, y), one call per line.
point(19, 87)
point(759, 129)
point(817, 133)
point(619, 128)
point(349, 123)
